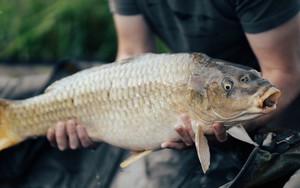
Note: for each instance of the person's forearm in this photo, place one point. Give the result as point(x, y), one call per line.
point(278, 53)
point(134, 36)
point(288, 83)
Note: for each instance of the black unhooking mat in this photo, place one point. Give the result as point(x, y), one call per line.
point(34, 163)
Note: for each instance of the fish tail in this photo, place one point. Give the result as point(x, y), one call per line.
point(7, 139)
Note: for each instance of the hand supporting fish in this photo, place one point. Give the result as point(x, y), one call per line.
point(135, 104)
point(71, 135)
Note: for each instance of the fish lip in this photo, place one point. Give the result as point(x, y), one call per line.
point(268, 99)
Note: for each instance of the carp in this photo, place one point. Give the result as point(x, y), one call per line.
point(135, 103)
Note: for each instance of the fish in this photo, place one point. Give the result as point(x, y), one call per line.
point(134, 103)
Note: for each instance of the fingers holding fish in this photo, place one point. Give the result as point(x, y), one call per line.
point(51, 137)
point(61, 136)
point(84, 139)
point(74, 142)
point(219, 132)
point(174, 145)
point(186, 122)
point(184, 129)
point(69, 134)
point(187, 135)
point(185, 132)
point(58, 136)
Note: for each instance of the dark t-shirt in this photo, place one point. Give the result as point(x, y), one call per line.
point(214, 27)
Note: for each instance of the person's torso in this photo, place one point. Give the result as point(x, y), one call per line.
point(210, 27)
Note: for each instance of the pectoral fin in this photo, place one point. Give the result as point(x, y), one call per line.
point(240, 133)
point(202, 149)
point(134, 157)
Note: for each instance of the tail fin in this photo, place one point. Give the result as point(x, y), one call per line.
point(6, 138)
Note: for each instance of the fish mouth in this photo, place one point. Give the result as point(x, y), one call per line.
point(268, 99)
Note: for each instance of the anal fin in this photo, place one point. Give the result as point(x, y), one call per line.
point(134, 157)
point(202, 148)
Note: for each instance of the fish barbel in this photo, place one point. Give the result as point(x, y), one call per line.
point(136, 102)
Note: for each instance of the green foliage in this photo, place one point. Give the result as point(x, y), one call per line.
point(54, 29)
point(50, 30)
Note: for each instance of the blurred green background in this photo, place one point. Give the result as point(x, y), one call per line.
point(49, 30)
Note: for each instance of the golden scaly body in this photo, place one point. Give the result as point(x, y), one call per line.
point(132, 105)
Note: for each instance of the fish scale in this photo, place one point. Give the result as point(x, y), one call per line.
point(136, 102)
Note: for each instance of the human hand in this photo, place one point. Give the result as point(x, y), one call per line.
point(69, 134)
point(187, 135)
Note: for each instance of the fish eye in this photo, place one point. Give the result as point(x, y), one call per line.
point(227, 84)
point(244, 79)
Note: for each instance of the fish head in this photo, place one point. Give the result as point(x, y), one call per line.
point(234, 93)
